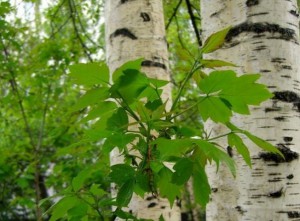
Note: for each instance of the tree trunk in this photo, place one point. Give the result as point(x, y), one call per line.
point(264, 39)
point(135, 29)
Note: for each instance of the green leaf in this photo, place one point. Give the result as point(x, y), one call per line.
point(125, 193)
point(166, 187)
point(169, 148)
point(90, 74)
point(235, 141)
point(213, 152)
point(101, 109)
point(158, 83)
point(214, 108)
point(78, 211)
point(121, 173)
point(142, 184)
point(129, 85)
point(183, 171)
point(59, 210)
point(78, 181)
point(133, 65)
point(91, 97)
point(263, 144)
point(118, 121)
point(225, 92)
point(119, 140)
point(96, 190)
point(201, 186)
point(216, 63)
point(161, 218)
point(215, 41)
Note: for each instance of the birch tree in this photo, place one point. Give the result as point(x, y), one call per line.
point(264, 39)
point(135, 29)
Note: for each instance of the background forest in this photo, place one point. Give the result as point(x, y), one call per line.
point(44, 149)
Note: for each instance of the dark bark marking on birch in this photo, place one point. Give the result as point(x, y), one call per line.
point(145, 16)
point(293, 214)
point(272, 109)
point(124, 1)
point(288, 67)
point(288, 154)
point(150, 198)
point(280, 119)
point(291, 176)
point(257, 14)
point(295, 13)
point(214, 190)
point(285, 76)
point(287, 139)
point(148, 63)
point(124, 32)
point(151, 205)
point(240, 210)
point(276, 194)
point(289, 97)
point(286, 96)
point(162, 207)
point(250, 3)
point(265, 71)
point(276, 179)
point(259, 28)
point(278, 60)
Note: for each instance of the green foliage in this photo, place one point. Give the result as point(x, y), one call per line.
point(161, 152)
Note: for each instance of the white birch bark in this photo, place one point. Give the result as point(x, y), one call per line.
point(135, 29)
point(264, 39)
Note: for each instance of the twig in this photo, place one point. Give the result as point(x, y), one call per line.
point(174, 14)
point(193, 20)
point(73, 13)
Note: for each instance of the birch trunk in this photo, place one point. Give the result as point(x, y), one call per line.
point(135, 29)
point(264, 39)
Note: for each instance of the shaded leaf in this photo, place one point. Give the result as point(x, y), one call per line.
point(237, 142)
point(90, 74)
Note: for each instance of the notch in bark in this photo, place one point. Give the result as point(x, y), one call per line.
point(295, 13)
point(124, 32)
point(151, 205)
point(145, 16)
point(291, 176)
point(276, 194)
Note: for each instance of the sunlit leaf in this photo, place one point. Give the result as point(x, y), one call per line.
point(215, 41)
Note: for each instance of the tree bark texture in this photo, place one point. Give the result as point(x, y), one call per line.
point(135, 29)
point(264, 39)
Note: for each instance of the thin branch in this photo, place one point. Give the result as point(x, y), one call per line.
point(193, 20)
point(84, 30)
point(15, 90)
point(73, 13)
point(174, 14)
